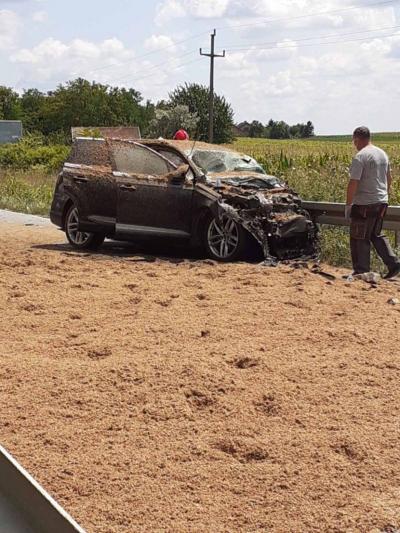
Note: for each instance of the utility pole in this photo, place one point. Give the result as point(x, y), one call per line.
point(211, 55)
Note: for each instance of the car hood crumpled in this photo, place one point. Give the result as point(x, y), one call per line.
point(246, 180)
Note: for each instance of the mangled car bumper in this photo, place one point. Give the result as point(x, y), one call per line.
point(273, 216)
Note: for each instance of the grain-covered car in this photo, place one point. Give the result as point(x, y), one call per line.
point(201, 194)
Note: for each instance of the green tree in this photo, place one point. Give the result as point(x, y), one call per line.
point(10, 108)
point(296, 131)
point(278, 130)
point(33, 110)
point(309, 129)
point(256, 129)
point(168, 120)
point(196, 98)
point(90, 104)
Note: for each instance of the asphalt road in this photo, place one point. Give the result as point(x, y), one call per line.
point(23, 219)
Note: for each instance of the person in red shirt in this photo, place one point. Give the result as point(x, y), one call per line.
point(181, 135)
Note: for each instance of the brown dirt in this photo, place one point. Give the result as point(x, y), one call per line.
point(190, 396)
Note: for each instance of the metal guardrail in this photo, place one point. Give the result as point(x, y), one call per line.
point(333, 214)
point(25, 507)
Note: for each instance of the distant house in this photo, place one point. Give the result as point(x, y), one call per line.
point(118, 132)
point(10, 131)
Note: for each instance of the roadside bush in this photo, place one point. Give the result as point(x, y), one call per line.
point(32, 153)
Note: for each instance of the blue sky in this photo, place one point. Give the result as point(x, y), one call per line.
point(335, 63)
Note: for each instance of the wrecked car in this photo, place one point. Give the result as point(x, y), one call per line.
point(206, 195)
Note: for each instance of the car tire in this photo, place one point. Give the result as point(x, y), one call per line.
point(79, 239)
point(224, 240)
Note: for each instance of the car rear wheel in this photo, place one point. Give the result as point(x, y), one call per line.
point(225, 240)
point(80, 239)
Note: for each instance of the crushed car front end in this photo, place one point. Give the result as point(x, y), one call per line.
point(265, 206)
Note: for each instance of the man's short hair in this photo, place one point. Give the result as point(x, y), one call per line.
point(362, 132)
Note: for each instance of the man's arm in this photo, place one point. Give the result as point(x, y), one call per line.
point(356, 170)
point(351, 191)
point(389, 180)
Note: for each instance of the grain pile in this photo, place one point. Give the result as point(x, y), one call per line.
point(168, 395)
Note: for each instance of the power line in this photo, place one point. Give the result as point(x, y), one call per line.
point(173, 45)
point(197, 60)
point(332, 35)
point(135, 80)
point(316, 14)
point(152, 52)
point(111, 65)
point(152, 68)
point(257, 45)
point(311, 44)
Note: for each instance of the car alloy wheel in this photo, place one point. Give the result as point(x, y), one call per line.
point(223, 237)
point(79, 238)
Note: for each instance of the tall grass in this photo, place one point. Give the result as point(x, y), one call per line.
point(27, 193)
point(27, 174)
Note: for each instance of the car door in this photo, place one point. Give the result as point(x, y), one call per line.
point(91, 184)
point(150, 201)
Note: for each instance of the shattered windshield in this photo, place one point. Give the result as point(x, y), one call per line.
point(215, 161)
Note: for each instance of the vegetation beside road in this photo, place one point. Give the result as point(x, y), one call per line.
point(26, 192)
point(27, 174)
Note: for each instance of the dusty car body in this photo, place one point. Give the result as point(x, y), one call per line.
point(203, 194)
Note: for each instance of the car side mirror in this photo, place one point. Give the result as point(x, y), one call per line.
point(178, 175)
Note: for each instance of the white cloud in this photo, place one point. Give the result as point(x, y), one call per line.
point(237, 65)
point(283, 50)
point(159, 42)
point(40, 16)
point(53, 61)
point(47, 50)
point(10, 26)
point(335, 89)
point(169, 10)
point(203, 9)
point(280, 84)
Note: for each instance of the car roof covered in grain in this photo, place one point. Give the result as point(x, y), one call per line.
point(188, 146)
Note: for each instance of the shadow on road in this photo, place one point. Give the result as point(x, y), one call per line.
point(144, 252)
point(140, 252)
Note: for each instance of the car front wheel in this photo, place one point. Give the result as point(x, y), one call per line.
point(80, 239)
point(225, 240)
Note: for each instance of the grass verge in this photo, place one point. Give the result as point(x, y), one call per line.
point(26, 194)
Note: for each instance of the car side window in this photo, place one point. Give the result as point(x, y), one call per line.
point(90, 152)
point(178, 160)
point(133, 159)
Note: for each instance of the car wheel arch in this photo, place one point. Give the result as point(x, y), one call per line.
point(199, 221)
point(68, 204)
point(71, 200)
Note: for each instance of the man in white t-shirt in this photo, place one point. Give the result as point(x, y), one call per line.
point(366, 205)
